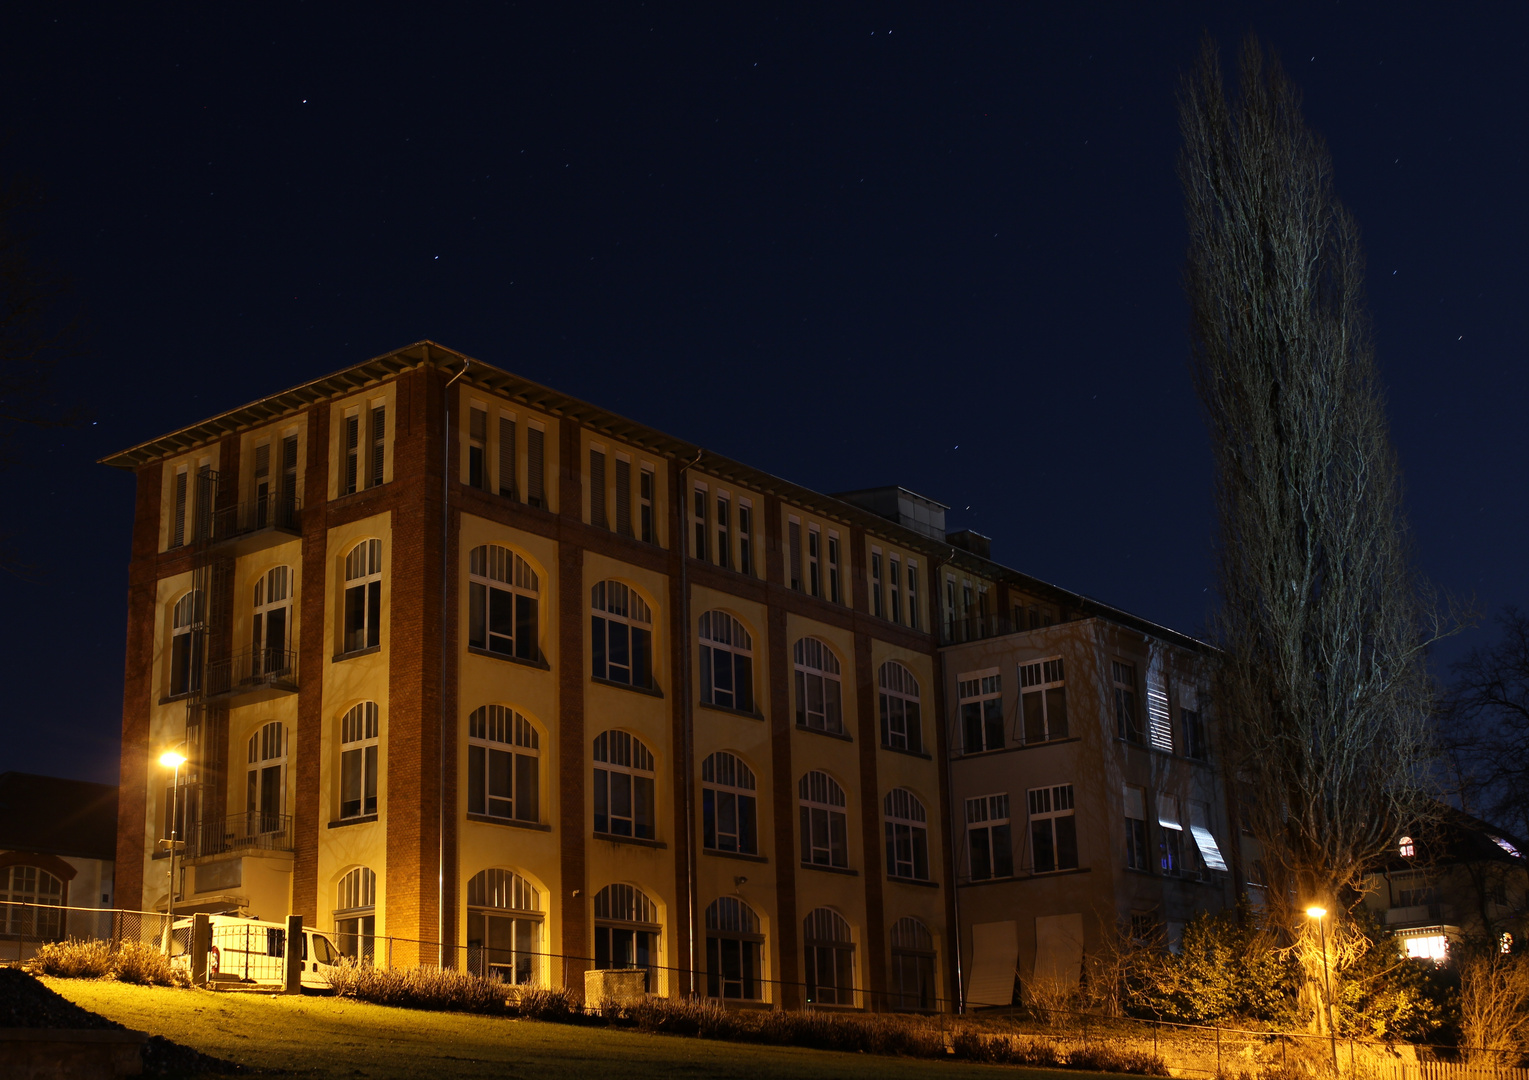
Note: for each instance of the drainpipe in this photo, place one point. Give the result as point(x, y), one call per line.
point(440, 814)
point(688, 713)
point(937, 604)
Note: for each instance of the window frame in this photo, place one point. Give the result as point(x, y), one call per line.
point(980, 704)
point(906, 823)
point(521, 588)
point(360, 748)
point(727, 934)
point(618, 754)
point(1043, 683)
point(726, 779)
point(988, 823)
point(1059, 823)
point(839, 953)
point(823, 813)
point(362, 626)
point(901, 704)
point(912, 946)
point(494, 883)
point(355, 914)
point(497, 729)
point(632, 624)
point(710, 646)
point(814, 660)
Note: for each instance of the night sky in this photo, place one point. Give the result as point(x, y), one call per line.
point(935, 246)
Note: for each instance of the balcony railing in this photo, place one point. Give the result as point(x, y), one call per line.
point(279, 512)
point(252, 671)
point(254, 830)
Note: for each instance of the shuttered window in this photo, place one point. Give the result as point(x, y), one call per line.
point(379, 440)
point(536, 481)
point(623, 497)
point(352, 449)
point(178, 529)
point(794, 554)
point(507, 458)
point(477, 448)
point(597, 516)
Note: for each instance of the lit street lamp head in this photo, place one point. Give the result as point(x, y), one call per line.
point(1315, 912)
point(171, 760)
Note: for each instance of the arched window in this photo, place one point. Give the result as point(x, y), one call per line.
point(265, 801)
point(824, 826)
point(623, 786)
point(900, 726)
point(31, 885)
point(907, 835)
point(504, 926)
point(817, 687)
point(626, 930)
point(503, 594)
point(363, 596)
point(727, 662)
point(912, 965)
point(358, 761)
point(621, 635)
point(503, 764)
point(355, 914)
point(269, 652)
point(186, 644)
point(830, 970)
point(733, 946)
point(729, 809)
point(1406, 848)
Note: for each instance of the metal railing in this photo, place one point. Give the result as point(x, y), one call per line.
point(253, 830)
point(253, 670)
point(280, 510)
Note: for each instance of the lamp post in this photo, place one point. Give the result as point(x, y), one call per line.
point(172, 760)
point(1319, 913)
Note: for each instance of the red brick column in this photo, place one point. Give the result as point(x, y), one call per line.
point(138, 689)
point(315, 594)
point(572, 756)
point(681, 750)
point(868, 738)
point(777, 648)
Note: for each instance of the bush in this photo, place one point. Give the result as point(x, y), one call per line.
point(1111, 1059)
point(419, 988)
point(73, 959)
point(135, 962)
point(554, 1004)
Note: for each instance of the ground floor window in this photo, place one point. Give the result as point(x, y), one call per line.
point(912, 965)
point(626, 931)
point(30, 885)
point(830, 969)
point(504, 926)
point(355, 916)
point(733, 947)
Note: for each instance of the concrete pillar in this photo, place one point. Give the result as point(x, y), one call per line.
point(201, 944)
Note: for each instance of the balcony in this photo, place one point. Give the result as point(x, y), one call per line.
point(251, 831)
point(259, 523)
point(253, 675)
point(1414, 915)
point(975, 628)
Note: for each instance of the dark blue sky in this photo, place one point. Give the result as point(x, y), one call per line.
point(937, 246)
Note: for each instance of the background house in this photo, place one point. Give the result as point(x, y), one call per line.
point(58, 841)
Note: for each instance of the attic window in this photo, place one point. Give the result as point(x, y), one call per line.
point(1509, 848)
point(1406, 848)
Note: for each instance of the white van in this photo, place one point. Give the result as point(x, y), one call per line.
point(251, 951)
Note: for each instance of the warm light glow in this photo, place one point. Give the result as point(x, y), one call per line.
point(1315, 912)
point(1428, 947)
point(171, 760)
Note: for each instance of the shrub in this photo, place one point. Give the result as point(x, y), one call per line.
point(1110, 1059)
point(72, 959)
point(537, 1002)
point(135, 962)
point(418, 988)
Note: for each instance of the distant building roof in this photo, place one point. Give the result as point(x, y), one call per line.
point(54, 816)
point(1453, 837)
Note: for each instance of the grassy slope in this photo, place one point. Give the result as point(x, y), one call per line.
point(330, 1037)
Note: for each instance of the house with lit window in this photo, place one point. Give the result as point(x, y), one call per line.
point(58, 843)
point(1085, 798)
point(1454, 879)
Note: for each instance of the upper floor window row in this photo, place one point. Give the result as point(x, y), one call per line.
point(503, 601)
point(1156, 729)
point(722, 528)
point(894, 587)
point(621, 494)
point(814, 561)
point(364, 448)
point(505, 456)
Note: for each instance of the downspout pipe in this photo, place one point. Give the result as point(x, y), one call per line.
point(688, 715)
point(440, 825)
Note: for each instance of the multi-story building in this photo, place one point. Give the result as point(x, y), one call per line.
point(472, 666)
point(1084, 800)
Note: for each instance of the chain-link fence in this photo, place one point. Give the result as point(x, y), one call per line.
point(24, 927)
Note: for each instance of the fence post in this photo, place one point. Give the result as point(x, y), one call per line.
point(1218, 1049)
point(201, 939)
point(294, 980)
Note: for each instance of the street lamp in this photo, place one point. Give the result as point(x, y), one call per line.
point(172, 760)
point(1319, 913)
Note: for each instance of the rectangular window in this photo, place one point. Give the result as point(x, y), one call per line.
point(698, 514)
point(378, 443)
point(1136, 827)
point(477, 448)
point(597, 516)
point(876, 583)
point(745, 537)
point(288, 477)
point(178, 527)
point(724, 519)
point(1193, 729)
point(536, 468)
point(1043, 700)
point(260, 488)
point(1159, 725)
point(1127, 722)
point(895, 595)
point(1053, 829)
point(794, 554)
point(989, 844)
point(835, 590)
point(645, 503)
point(913, 594)
point(1171, 836)
point(950, 609)
point(623, 495)
point(352, 450)
point(507, 477)
point(981, 714)
point(1204, 839)
point(814, 560)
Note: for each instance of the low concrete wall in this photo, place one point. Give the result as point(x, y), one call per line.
point(622, 987)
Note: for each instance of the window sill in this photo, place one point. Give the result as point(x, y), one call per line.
point(830, 869)
point(170, 699)
point(362, 819)
point(635, 841)
point(827, 734)
point(343, 495)
point(339, 656)
point(746, 713)
point(735, 855)
point(922, 883)
point(542, 664)
point(908, 753)
point(651, 691)
point(1064, 740)
point(513, 823)
point(1033, 876)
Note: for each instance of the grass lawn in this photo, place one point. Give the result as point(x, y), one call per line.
point(322, 1036)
